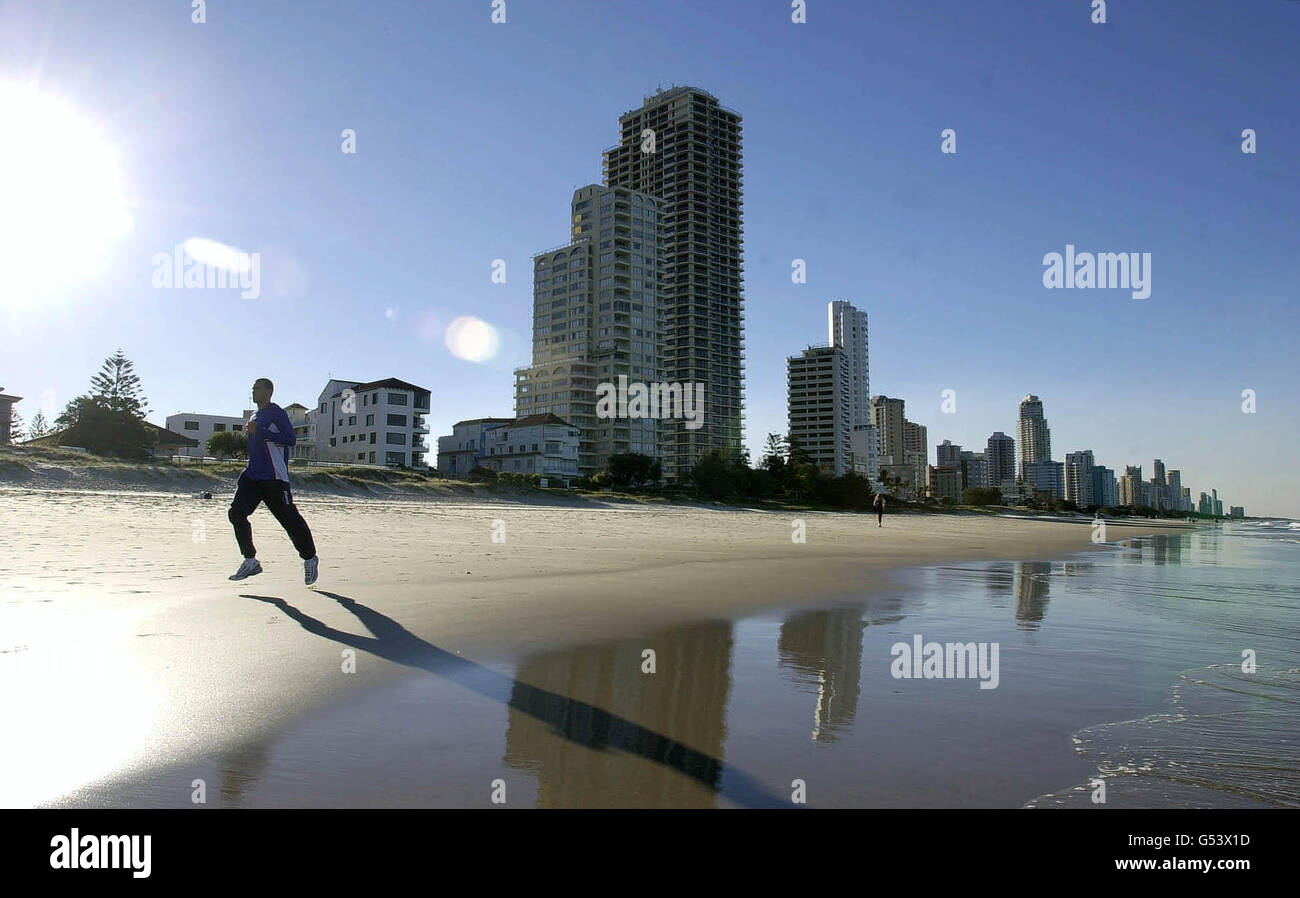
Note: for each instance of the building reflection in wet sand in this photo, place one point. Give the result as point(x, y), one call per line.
point(564, 693)
point(823, 650)
point(1032, 587)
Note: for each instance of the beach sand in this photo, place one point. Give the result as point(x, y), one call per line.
point(124, 647)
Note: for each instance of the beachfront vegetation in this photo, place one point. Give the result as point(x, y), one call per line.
point(228, 444)
point(981, 495)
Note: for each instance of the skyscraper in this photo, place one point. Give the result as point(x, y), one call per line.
point(1035, 439)
point(887, 417)
point(590, 326)
point(1105, 493)
point(1001, 459)
point(818, 389)
point(1174, 488)
point(847, 329)
point(1078, 478)
point(947, 453)
point(684, 148)
point(1130, 487)
point(1159, 486)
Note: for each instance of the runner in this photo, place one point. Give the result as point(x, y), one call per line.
point(266, 479)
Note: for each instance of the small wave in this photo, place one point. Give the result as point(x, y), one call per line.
point(1228, 741)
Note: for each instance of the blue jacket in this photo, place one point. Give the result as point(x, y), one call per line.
point(268, 444)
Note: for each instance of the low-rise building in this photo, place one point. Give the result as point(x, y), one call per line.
point(543, 444)
point(463, 450)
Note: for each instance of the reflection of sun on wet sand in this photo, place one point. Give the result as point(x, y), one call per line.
point(121, 603)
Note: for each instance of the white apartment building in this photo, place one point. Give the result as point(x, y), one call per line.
point(380, 422)
point(535, 444)
point(463, 450)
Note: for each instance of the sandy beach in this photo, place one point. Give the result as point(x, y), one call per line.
point(125, 647)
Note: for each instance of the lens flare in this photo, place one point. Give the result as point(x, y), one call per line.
point(472, 339)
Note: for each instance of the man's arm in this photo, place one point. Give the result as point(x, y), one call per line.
point(281, 430)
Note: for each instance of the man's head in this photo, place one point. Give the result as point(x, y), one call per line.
point(262, 390)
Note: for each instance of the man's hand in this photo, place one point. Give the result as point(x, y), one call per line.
point(252, 426)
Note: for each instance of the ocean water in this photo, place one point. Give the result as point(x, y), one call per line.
point(1165, 668)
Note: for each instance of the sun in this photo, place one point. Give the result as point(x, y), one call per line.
point(62, 202)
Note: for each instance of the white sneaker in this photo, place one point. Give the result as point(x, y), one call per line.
point(250, 567)
point(309, 570)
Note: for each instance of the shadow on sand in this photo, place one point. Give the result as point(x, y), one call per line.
point(579, 722)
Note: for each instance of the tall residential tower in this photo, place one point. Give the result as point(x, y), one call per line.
point(1035, 441)
point(684, 148)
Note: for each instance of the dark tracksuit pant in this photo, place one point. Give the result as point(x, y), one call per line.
point(276, 495)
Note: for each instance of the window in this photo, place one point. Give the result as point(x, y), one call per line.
point(397, 420)
point(374, 397)
point(370, 420)
point(534, 447)
point(352, 420)
point(397, 399)
point(394, 438)
point(372, 436)
point(218, 428)
point(191, 425)
point(239, 428)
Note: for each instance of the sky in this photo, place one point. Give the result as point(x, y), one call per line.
point(470, 138)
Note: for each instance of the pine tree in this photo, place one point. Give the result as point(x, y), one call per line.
point(15, 424)
point(117, 387)
point(38, 428)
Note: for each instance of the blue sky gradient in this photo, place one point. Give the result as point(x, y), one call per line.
point(1123, 137)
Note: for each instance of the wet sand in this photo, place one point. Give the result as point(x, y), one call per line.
point(124, 650)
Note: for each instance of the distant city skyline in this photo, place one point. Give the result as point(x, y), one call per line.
point(470, 140)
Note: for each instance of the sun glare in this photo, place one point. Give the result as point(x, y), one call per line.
point(62, 207)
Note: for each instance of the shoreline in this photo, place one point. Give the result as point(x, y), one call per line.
point(209, 664)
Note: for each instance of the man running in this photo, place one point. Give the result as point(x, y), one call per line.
point(266, 479)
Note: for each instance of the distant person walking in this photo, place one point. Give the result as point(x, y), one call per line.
point(266, 479)
point(879, 506)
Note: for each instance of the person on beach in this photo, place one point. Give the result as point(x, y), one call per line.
point(266, 479)
point(879, 506)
